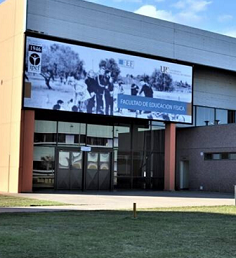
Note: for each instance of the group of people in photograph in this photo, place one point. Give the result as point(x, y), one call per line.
point(94, 93)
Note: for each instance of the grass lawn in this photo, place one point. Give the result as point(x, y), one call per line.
point(206, 232)
point(12, 201)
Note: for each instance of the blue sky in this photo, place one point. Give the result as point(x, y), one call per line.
point(213, 15)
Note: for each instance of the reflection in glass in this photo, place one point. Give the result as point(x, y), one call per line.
point(92, 160)
point(100, 135)
point(76, 160)
point(104, 157)
point(43, 167)
point(139, 163)
point(122, 137)
point(221, 116)
point(64, 157)
point(93, 156)
point(123, 163)
point(141, 137)
point(205, 116)
point(71, 133)
point(104, 166)
point(45, 132)
point(104, 161)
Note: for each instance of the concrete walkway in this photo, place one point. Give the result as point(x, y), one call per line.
point(123, 200)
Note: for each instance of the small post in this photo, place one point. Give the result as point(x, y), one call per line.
point(134, 210)
point(235, 194)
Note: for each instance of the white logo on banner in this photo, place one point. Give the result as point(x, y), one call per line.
point(34, 58)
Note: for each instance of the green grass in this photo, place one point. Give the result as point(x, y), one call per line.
point(12, 201)
point(205, 232)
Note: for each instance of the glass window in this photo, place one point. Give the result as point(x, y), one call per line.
point(64, 160)
point(157, 170)
point(158, 138)
point(139, 164)
point(205, 116)
point(232, 155)
point(115, 166)
point(92, 162)
point(216, 156)
point(208, 156)
point(123, 163)
point(45, 132)
point(221, 116)
point(122, 137)
point(225, 155)
point(43, 167)
point(71, 133)
point(231, 116)
point(104, 161)
point(141, 138)
point(76, 160)
point(100, 135)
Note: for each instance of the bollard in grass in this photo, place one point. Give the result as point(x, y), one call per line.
point(235, 194)
point(134, 211)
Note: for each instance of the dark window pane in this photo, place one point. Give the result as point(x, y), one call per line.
point(208, 156)
point(225, 155)
point(231, 116)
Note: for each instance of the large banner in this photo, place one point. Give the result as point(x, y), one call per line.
point(68, 77)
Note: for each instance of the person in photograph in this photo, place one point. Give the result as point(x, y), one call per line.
point(146, 89)
point(134, 87)
point(134, 90)
point(58, 105)
point(101, 84)
point(109, 89)
point(120, 91)
point(92, 90)
point(80, 90)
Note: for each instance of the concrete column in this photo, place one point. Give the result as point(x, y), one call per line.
point(26, 151)
point(170, 140)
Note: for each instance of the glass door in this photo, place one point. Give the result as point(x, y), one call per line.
point(98, 170)
point(69, 169)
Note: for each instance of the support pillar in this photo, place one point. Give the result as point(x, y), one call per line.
point(170, 141)
point(26, 151)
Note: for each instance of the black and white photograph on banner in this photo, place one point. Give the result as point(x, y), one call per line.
point(69, 77)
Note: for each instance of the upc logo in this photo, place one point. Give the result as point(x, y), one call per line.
point(34, 59)
point(164, 69)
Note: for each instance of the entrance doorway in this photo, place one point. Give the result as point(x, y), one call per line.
point(98, 170)
point(80, 170)
point(69, 172)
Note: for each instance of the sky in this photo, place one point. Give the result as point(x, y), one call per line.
point(218, 16)
point(212, 15)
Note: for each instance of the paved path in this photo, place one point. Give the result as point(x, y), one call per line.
point(124, 200)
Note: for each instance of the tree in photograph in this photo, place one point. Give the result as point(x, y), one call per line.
point(112, 66)
point(161, 81)
point(60, 60)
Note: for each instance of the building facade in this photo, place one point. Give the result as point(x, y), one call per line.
point(50, 149)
